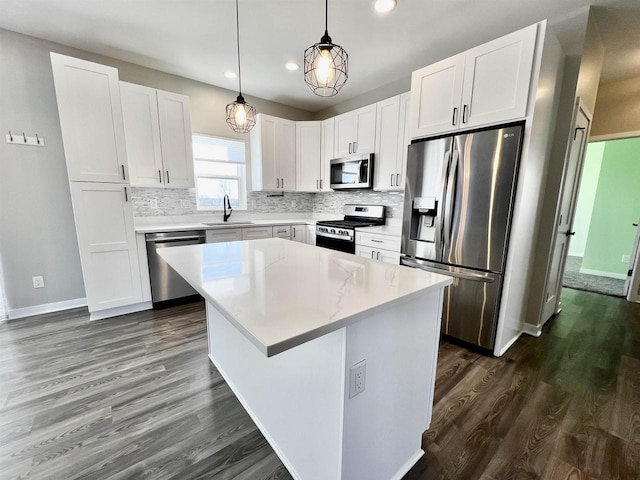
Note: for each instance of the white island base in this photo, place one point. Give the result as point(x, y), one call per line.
point(300, 398)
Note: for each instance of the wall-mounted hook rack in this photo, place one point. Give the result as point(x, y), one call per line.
point(28, 140)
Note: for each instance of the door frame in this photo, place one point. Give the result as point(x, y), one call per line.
point(557, 307)
point(633, 292)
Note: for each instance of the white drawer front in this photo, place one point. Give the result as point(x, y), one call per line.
point(254, 233)
point(386, 242)
point(282, 231)
point(224, 235)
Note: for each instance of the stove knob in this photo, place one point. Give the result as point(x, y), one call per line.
point(333, 230)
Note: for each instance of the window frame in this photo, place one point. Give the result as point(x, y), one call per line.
point(242, 178)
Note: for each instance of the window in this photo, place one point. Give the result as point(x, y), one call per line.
point(219, 167)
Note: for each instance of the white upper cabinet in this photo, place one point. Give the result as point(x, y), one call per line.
point(436, 91)
point(486, 85)
point(142, 133)
point(497, 77)
point(392, 140)
point(355, 132)
point(158, 135)
point(273, 154)
point(308, 156)
point(107, 242)
point(327, 154)
point(90, 111)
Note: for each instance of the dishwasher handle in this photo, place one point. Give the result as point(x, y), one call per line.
point(177, 239)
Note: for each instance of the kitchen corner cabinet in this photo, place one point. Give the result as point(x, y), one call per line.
point(391, 143)
point(308, 156)
point(88, 96)
point(273, 154)
point(107, 242)
point(486, 85)
point(355, 132)
point(158, 137)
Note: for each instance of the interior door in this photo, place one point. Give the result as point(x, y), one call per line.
point(632, 285)
point(568, 196)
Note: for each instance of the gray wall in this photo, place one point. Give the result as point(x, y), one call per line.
point(37, 231)
point(617, 111)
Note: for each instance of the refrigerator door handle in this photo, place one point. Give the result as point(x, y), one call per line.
point(459, 273)
point(440, 242)
point(447, 224)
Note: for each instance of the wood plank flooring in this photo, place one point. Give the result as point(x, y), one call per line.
point(136, 397)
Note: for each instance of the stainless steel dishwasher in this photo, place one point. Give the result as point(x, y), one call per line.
point(166, 284)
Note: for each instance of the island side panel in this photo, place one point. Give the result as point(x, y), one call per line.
point(383, 425)
point(295, 397)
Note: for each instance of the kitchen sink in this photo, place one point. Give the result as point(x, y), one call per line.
point(222, 224)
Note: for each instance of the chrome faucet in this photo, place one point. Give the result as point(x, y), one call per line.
point(226, 203)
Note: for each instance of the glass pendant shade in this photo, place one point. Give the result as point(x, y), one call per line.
point(241, 116)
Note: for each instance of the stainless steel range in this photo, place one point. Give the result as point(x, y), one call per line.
point(340, 234)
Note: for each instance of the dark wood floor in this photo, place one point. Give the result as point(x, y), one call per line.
point(136, 397)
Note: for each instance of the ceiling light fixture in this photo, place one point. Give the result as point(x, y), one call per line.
point(292, 66)
point(384, 6)
point(241, 116)
point(325, 64)
point(230, 75)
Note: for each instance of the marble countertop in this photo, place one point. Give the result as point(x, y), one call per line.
point(281, 294)
point(176, 224)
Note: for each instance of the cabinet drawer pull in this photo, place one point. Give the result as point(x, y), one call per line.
point(123, 175)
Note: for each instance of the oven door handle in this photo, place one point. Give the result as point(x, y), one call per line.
point(337, 237)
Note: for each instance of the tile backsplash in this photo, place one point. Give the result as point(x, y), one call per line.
point(151, 202)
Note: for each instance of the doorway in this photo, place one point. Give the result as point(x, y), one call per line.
point(601, 253)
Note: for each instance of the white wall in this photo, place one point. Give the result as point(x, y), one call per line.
point(586, 197)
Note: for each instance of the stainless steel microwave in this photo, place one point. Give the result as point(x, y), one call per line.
point(355, 171)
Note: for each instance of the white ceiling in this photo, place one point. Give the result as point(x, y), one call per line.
point(196, 38)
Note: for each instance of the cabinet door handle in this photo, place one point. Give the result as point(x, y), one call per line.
point(317, 184)
point(465, 109)
point(168, 181)
point(397, 179)
point(320, 184)
point(455, 115)
point(349, 148)
point(372, 252)
point(378, 256)
point(294, 232)
point(126, 196)
point(160, 176)
point(123, 176)
point(355, 147)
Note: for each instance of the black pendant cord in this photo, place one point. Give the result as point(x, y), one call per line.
point(238, 42)
point(326, 17)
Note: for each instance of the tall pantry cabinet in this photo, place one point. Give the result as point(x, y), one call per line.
point(91, 121)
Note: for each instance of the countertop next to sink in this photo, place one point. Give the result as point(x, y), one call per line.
point(199, 222)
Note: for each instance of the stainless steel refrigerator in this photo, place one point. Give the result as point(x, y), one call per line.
point(458, 205)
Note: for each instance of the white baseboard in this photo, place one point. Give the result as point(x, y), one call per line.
point(533, 330)
point(408, 466)
point(46, 308)
point(115, 312)
point(506, 347)
point(599, 273)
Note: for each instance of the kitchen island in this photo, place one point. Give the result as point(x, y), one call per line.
point(287, 323)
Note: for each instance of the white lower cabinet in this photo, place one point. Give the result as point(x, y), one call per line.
point(253, 233)
point(311, 234)
point(224, 235)
point(107, 242)
point(385, 248)
point(282, 231)
point(299, 233)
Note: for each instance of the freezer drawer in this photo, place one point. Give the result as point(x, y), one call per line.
point(471, 303)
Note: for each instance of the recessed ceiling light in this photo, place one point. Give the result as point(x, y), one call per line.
point(293, 66)
point(230, 75)
point(384, 6)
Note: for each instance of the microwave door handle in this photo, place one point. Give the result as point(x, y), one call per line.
point(363, 171)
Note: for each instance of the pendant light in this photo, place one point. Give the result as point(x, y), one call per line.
point(325, 64)
point(241, 116)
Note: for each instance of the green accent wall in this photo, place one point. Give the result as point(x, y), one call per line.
point(616, 208)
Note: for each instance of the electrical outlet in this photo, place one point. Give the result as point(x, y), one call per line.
point(153, 203)
point(357, 378)
point(293, 204)
point(38, 282)
point(625, 258)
